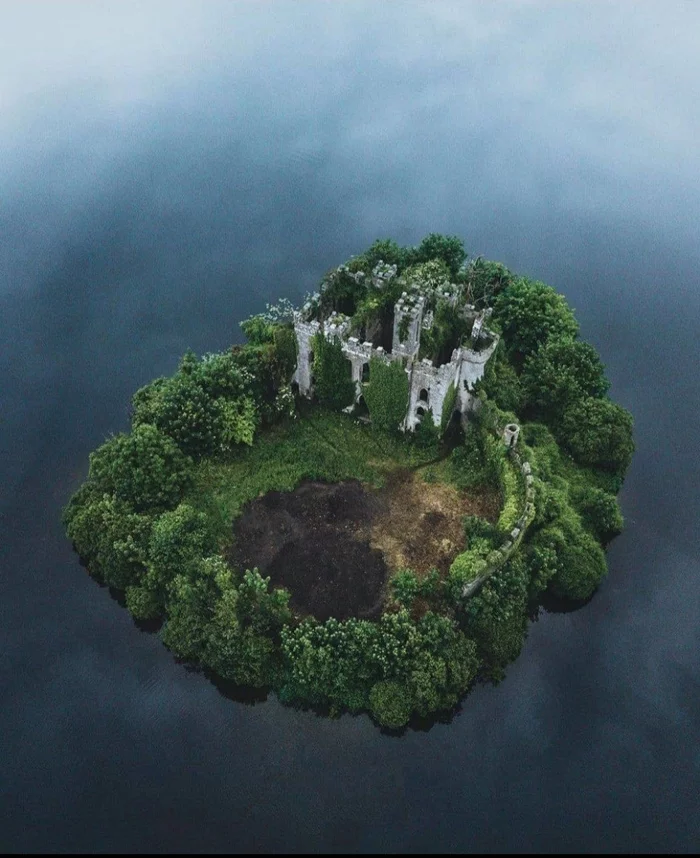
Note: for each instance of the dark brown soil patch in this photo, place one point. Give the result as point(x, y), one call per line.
point(333, 545)
point(314, 541)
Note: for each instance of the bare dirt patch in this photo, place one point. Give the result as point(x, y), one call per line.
point(333, 545)
point(315, 542)
point(420, 527)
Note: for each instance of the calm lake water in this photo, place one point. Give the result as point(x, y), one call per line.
point(166, 171)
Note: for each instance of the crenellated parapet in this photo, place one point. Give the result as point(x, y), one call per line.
point(431, 388)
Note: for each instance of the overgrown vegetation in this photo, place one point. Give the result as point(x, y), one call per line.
point(386, 394)
point(154, 518)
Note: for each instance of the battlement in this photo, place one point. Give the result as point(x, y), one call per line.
point(430, 386)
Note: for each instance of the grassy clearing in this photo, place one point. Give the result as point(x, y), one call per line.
point(318, 445)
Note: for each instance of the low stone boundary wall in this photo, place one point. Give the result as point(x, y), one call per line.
point(496, 559)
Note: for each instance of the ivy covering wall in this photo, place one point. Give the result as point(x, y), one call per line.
point(386, 394)
point(334, 385)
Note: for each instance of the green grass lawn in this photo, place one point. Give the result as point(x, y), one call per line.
point(317, 445)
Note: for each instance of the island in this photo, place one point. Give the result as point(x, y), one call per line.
point(363, 506)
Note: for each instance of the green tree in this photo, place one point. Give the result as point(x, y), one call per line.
point(146, 469)
point(580, 561)
point(598, 432)
point(108, 535)
point(496, 617)
point(383, 250)
point(600, 513)
point(206, 407)
point(191, 596)
point(529, 313)
point(334, 385)
point(561, 372)
point(485, 280)
point(391, 704)
point(448, 248)
point(405, 587)
point(179, 540)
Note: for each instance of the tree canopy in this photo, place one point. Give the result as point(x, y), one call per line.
point(154, 518)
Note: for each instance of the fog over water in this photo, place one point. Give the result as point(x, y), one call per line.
point(166, 169)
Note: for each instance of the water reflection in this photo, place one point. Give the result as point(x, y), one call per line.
point(168, 169)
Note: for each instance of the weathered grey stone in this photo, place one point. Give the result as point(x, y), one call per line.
point(428, 385)
point(510, 434)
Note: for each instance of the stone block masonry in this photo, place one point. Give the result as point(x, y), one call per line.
point(429, 385)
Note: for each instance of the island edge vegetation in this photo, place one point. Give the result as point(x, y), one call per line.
point(415, 360)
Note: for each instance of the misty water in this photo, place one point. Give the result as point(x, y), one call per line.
point(166, 169)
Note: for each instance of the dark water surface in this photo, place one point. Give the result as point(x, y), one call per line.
point(166, 170)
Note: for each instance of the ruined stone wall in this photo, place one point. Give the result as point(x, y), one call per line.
point(428, 384)
point(305, 332)
point(428, 388)
point(408, 307)
point(497, 559)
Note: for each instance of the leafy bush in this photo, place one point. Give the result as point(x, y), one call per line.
point(529, 313)
point(598, 432)
point(108, 535)
point(467, 566)
point(561, 372)
point(426, 435)
point(580, 564)
point(405, 587)
point(448, 407)
point(513, 496)
point(390, 703)
point(146, 469)
point(386, 394)
point(501, 382)
point(600, 512)
point(445, 334)
point(496, 617)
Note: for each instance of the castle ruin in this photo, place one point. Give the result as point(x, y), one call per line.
point(430, 382)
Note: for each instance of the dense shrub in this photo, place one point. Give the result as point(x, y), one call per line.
point(390, 703)
point(108, 535)
point(600, 512)
point(426, 435)
point(529, 313)
point(146, 469)
point(598, 432)
point(501, 382)
point(580, 561)
point(562, 372)
point(496, 617)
